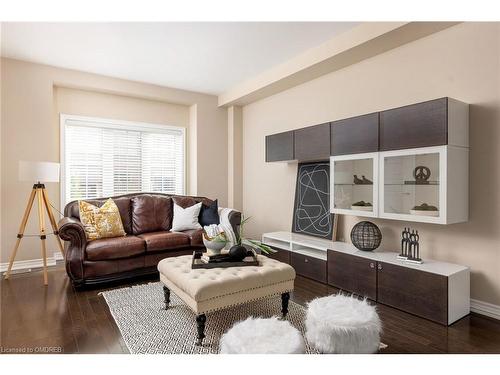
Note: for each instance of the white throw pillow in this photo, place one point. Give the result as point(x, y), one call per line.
point(186, 218)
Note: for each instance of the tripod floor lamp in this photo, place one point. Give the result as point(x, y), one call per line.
point(39, 172)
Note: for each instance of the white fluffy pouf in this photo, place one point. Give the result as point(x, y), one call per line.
point(343, 324)
point(262, 336)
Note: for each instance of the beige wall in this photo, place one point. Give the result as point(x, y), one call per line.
point(235, 157)
point(98, 104)
point(33, 96)
point(461, 62)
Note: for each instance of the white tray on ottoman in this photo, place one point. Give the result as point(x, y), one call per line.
point(206, 290)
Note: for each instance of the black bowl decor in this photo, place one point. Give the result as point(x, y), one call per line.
point(366, 236)
point(237, 253)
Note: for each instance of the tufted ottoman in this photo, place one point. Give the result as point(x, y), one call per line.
point(342, 324)
point(262, 336)
point(206, 290)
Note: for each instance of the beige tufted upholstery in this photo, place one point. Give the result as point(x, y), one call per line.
point(213, 289)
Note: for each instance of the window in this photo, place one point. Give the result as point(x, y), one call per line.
point(103, 158)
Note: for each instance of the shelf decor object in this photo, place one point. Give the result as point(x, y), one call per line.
point(40, 172)
point(414, 254)
point(214, 239)
point(422, 175)
point(405, 242)
point(366, 236)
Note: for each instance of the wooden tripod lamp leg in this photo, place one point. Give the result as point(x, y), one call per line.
point(41, 219)
point(21, 231)
point(52, 220)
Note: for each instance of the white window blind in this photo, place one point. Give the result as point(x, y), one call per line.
point(105, 158)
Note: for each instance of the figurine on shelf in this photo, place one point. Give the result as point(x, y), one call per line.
point(410, 246)
point(362, 206)
point(405, 239)
point(366, 181)
point(414, 248)
point(422, 175)
point(357, 180)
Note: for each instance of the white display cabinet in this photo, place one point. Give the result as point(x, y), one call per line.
point(428, 184)
point(355, 184)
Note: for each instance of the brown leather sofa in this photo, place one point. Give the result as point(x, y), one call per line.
point(147, 220)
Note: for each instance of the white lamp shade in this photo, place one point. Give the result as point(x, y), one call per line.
point(36, 171)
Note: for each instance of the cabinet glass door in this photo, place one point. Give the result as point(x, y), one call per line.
point(354, 184)
point(411, 184)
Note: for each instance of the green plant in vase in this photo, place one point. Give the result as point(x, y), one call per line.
point(240, 248)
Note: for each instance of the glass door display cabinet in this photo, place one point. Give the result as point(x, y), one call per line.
point(355, 184)
point(428, 184)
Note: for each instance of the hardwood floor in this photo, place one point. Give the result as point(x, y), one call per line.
point(59, 319)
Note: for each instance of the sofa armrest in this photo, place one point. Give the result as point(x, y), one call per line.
point(72, 230)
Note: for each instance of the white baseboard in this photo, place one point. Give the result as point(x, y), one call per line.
point(31, 263)
point(58, 255)
point(485, 308)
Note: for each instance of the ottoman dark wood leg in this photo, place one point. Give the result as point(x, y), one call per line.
point(200, 323)
point(166, 293)
point(285, 297)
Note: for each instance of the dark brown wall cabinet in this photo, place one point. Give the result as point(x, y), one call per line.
point(417, 125)
point(281, 255)
point(313, 143)
point(354, 274)
point(279, 147)
point(420, 293)
point(437, 122)
point(355, 135)
point(417, 292)
point(310, 267)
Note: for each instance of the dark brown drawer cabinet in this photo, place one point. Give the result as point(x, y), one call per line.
point(310, 267)
point(354, 274)
point(281, 255)
point(313, 143)
point(279, 147)
point(420, 293)
point(417, 125)
point(355, 135)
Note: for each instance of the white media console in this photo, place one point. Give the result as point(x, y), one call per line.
point(439, 291)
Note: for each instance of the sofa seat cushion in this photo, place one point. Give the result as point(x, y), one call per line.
point(195, 237)
point(160, 241)
point(115, 248)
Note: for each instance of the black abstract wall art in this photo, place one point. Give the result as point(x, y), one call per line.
point(311, 214)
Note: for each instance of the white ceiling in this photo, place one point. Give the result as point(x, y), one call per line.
point(204, 57)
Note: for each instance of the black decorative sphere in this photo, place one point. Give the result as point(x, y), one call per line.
point(237, 253)
point(366, 236)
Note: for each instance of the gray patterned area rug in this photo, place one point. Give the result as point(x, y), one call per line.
point(147, 328)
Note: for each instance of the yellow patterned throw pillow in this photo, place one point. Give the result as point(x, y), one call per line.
point(101, 222)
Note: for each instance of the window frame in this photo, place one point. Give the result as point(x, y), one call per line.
point(100, 122)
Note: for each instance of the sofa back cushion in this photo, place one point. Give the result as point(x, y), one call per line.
point(123, 204)
point(187, 201)
point(151, 213)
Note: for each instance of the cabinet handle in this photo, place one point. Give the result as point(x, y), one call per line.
point(379, 266)
point(306, 260)
point(372, 265)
